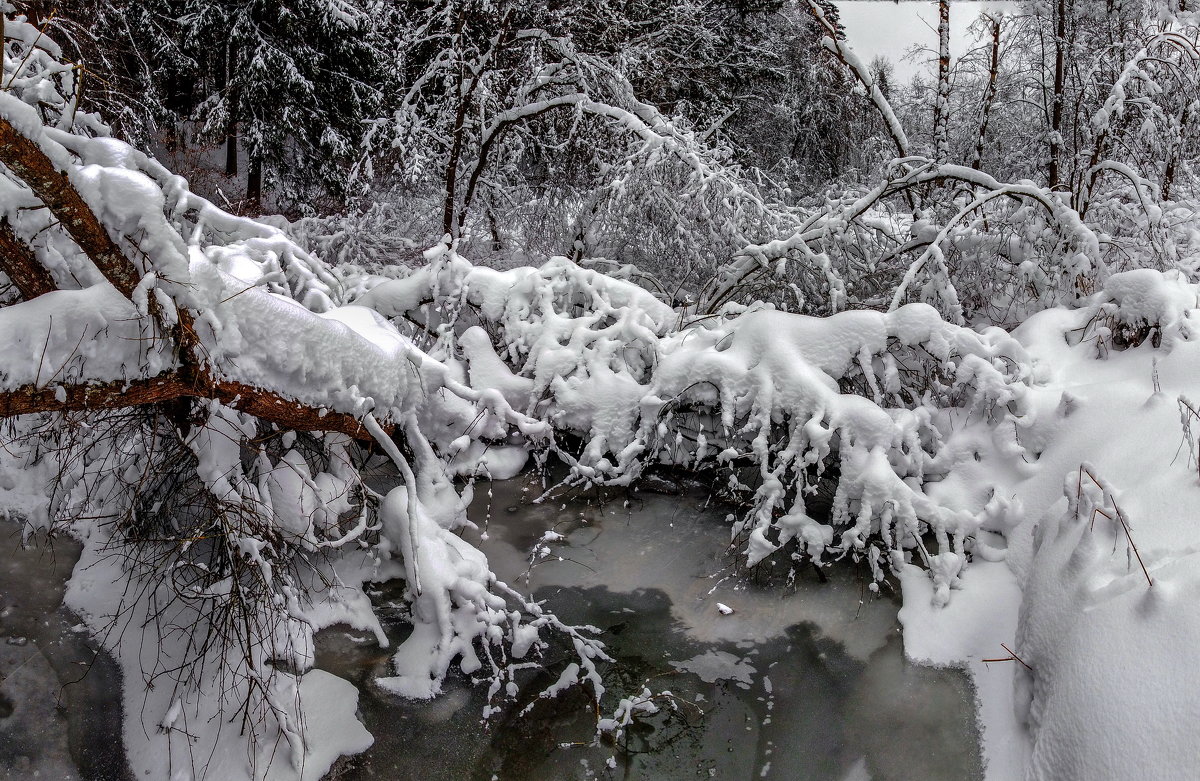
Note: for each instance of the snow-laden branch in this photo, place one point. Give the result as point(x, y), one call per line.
point(833, 226)
point(608, 363)
point(834, 43)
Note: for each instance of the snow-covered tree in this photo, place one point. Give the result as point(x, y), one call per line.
point(283, 85)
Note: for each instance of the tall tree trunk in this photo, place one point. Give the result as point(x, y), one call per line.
point(449, 225)
point(989, 94)
point(231, 144)
point(231, 141)
point(231, 150)
point(1053, 172)
point(941, 106)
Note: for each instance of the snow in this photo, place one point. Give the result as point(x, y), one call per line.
point(1106, 651)
point(329, 711)
point(315, 706)
point(59, 333)
point(1033, 491)
point(969, 629)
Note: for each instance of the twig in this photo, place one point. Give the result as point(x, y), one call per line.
point(1012, 657)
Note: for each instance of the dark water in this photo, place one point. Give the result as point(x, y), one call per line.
point(804, 680)
point(60, 702)
point(801, 682)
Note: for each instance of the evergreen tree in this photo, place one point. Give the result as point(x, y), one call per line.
point(284, 84)
point(292, 81)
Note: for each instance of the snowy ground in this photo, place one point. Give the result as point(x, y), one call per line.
point(1104, 685)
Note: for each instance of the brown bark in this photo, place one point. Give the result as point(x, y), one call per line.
point(19, 263)
point(28, 162)
point(26, 159)
point(272, 407)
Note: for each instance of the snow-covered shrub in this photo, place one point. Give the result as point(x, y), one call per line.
point(638, 384)
point(992, 254)
point(218, 540)
point(384, 233)
point(1140, 305)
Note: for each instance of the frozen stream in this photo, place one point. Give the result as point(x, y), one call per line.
point(805, 683)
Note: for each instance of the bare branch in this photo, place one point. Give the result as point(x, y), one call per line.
point(266, 405)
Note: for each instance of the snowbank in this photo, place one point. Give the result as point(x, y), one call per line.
point(1093, 679)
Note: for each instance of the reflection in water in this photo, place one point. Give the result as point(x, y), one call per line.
point(807, 682)
point(60, 711)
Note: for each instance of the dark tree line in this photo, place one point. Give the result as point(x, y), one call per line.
point(284, 90)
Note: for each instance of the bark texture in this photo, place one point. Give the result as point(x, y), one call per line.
point(191, 380)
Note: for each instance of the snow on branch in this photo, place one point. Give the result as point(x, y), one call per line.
point(835, 43)
point(860, 223)
point(224, 519)
point(758, 392)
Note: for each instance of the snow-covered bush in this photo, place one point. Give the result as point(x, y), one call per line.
point(638, 384)
point(193, 395)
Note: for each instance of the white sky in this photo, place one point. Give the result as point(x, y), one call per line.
point(891, 29)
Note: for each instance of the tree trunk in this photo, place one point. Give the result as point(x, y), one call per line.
point(989, 94)
point(29, 163)
point(941, 106)
point(1169, 170)
point(449, 225)
point(231, 150)
point(1053, 172)
point(231, 144)
point(254, 183)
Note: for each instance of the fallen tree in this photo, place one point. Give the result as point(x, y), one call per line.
point(191, 385)
point(188, 407)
